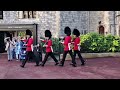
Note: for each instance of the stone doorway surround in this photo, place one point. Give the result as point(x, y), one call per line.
point(20, 27)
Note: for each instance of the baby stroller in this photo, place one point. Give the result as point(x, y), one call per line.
point(23, 51)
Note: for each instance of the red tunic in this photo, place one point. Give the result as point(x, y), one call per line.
point(29, 43)
point(66, 41)
point(49, 45)
point(76, 42)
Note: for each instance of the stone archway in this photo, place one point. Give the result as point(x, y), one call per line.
point(6, 28)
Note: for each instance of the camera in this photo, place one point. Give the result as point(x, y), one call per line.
point(7, 38)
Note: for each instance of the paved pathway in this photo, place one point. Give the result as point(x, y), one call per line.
point(99, 68)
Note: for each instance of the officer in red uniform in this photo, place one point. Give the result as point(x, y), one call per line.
point(67, 49)
point(49, 49)
point(76, 43)
point(28, 44)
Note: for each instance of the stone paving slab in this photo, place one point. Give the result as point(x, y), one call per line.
point(97, 68)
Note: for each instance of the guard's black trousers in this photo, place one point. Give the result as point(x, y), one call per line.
point(64, 56)
point(79, 55)
point(37, 55)
point(29, 54)
point(46, 57)
point(38, 58)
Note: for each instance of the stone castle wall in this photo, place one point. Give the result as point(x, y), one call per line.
point(56, 21)
point(45, 20)
point(84, 21)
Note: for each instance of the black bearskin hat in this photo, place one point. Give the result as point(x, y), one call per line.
point(67, 31)
point(76, 32)
point(28, 32)
point(48, 33)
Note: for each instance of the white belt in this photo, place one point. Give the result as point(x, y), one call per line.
point(51, 48)
point(69, 46)
point(79, 47)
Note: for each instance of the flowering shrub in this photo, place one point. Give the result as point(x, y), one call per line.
point(95, 43)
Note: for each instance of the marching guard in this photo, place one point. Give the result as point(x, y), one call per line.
point(49, 49)
point(76, 43)
point(67, 47)
point(28, 45)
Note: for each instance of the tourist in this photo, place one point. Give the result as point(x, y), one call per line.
point(22, 51)
point(76, 43)
point(14, 41)
point(67, 47)
point(49, 49)
point(9, 48)
point(18, 48)
point(28, 45)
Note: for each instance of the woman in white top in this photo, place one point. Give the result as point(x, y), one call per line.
point(9, 48)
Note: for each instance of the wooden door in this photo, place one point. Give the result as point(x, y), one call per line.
point(101, 30)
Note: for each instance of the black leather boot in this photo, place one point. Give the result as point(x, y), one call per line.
point(22, 66)
point(56, 63)
point(83, 64)
point(37, 65)
point(61, 64)
point(74, 65)
point(42, 64)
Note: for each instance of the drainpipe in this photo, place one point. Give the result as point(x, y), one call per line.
point(117, 16)
point(89, 22)
point(114, 22)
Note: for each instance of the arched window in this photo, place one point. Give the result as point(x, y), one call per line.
point(30, 14)
point(1, 14)
point(101, 28)
point(34, 14)
point(27, 14)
